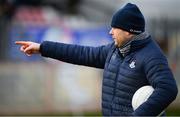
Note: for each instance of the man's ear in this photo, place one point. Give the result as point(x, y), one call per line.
point(130, 35)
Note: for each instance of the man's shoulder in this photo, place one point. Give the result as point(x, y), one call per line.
point(110, 46)
point(152, 49)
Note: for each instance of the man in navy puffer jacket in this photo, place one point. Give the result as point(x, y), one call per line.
point(132, 61)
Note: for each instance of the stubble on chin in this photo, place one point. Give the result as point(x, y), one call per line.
point(116, 45)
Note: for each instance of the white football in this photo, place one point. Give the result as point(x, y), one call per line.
point(141, 95)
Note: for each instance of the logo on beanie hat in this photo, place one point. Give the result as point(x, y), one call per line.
point(135, 31)
point(129, 18)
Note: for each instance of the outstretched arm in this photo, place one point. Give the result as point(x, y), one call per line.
point(76, 54)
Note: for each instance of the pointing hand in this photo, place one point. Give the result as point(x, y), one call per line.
point(29, 47)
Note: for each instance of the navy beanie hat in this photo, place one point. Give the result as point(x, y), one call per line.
point(130, 19)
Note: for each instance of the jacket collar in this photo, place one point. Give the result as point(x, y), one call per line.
point(137, 42)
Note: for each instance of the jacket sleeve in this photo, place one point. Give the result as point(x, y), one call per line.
point(76, 54)
point(161, 78)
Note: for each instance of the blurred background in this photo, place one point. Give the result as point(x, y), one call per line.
point(42, 86)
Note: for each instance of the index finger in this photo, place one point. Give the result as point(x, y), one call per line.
point(21, 42)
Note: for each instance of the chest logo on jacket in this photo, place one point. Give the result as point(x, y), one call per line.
point(132, 64)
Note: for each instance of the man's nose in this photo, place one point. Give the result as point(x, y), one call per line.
point(110, 32)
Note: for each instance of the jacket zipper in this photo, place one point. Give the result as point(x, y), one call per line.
point(114, 91)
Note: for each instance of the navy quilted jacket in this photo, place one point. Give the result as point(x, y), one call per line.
point(145, 64)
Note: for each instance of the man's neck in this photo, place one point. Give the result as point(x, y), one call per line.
point(124, 50)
